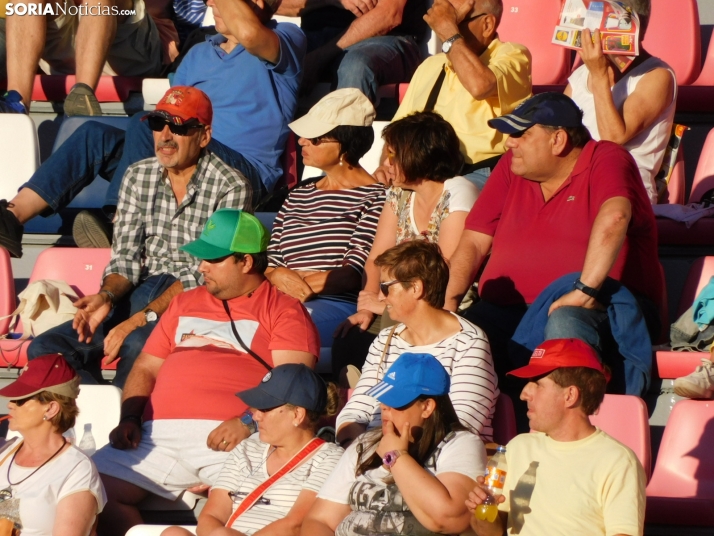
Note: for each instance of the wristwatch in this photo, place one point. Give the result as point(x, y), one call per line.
point(446, 45)
point(247, 419)
point(150, 315)
point(390, 458)
point(590, 291)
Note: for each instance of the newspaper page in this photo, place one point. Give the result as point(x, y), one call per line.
point(619, 28)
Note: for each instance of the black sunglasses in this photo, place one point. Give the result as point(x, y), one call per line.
point(466, 21)
point(157, 124)
point(384, 287)
point(22, 401)
point(321, 140)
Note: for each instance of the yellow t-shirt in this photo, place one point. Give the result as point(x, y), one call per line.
point(510, 62)
point(3, 3)
point(594, 486)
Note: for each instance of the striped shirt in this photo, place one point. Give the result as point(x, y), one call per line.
point(326, 229)
point(245, 469)
point(150, 225)
point(466, 356)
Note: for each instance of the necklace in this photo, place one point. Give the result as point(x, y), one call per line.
point(6, 493)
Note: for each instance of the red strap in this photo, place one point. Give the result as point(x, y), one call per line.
point(291, 464)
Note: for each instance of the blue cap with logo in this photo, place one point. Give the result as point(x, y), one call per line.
point(291, 383)
point(550, 109)
point(409, 377)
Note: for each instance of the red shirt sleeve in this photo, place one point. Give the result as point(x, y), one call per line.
point(614, 174)
point(293, 329)
point(486, 212)
point(161, 341)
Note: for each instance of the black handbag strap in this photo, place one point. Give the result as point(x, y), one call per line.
point(240, 341)
point(431, 101)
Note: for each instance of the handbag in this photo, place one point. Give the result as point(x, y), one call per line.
point(44, 304)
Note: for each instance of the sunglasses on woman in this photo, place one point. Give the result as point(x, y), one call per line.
point(157, 124)
point(319, 141)
point(384, 287)
point(22, 401)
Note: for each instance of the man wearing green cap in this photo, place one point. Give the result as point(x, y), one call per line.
point(180, 416)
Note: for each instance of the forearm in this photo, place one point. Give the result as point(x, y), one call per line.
point(286, 526)
point(137, 389)
point(297, 8)
point(379, 21)
point(159, 305)
point(117, 284)
point(246, 27)
point(370, 277)
point(337, 281)
point(610, 122)
point(465, 264)
point(313, 527)
point(478, 79)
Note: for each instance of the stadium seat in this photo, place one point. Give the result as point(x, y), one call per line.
point(681, 491)
point(676, 185)
point(7, 290)
point(54, 88)
point(674, 36)
point(699, 97)
point(532, 23)
point(676, 364)
point(152, 89)
point(624, 417)
point(19, 152)
point(504, 420)
point(81, 268)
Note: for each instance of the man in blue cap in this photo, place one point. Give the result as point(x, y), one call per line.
point(557, 203)
point(180, 416)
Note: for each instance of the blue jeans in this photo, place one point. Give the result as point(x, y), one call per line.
point(373, 62)
point(87, 358)
point(327, 315)
point(478, 177)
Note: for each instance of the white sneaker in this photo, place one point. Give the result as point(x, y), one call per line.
point(699, 384)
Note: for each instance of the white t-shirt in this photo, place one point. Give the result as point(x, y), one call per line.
point(70, 472)
point(245, 470)
point(378, 507)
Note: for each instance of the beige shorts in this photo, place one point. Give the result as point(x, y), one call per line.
point(136, 50)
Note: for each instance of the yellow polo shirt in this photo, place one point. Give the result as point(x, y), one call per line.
point(510, 62)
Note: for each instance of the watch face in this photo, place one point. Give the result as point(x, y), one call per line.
point(151, 316)
point(445, 47)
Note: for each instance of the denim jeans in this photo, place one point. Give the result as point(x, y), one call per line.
point(373, 62)
point(86, 358)
point(327, 315)
point(478, 177)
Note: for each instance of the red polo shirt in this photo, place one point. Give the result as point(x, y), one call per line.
point(535, 242)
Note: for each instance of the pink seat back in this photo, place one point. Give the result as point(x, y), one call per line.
point(675, 187)
point(504, 420)
point(81, 268)
point(674, 36)
point(531, 23)
point(7, 290)
point(706, 77)
point(704, 175)
point(624, 417)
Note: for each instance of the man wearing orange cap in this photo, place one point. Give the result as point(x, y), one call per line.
point(163, 203)
point(566, 476)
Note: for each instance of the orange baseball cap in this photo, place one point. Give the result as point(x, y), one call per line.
point(184, 104)
point(559, 353)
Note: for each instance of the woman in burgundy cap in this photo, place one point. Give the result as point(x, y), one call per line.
point(47, 486)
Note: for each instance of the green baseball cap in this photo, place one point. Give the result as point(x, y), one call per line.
point(228, 231)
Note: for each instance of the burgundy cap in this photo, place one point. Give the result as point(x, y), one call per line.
point(45, 373)
point(181, 104)
point(559, 353)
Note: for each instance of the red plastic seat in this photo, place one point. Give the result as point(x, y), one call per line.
point(699, 97)
point(531, 23)
point(7, 289)
point(677, 364)
point(676, 185)
point(81, 268)
point(625, 418)
point(504, 420)
point(55, 88)
point(289, 162)
point(681, 491)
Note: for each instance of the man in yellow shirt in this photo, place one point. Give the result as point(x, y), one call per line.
point(567, 477)
point(483, 78)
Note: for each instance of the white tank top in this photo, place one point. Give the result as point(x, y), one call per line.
point(647, 148)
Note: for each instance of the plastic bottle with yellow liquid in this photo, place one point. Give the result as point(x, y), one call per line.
point(495, 478)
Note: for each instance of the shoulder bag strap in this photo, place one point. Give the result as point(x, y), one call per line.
point(386, 349)
point(291, 464)
point(434, 94)
point(240, 341)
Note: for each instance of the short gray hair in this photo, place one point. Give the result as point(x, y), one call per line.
point(492, 7)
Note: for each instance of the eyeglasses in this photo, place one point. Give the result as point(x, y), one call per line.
point(238, 496)
point(22, 401)
point(157, 124)
point(466, 21)
point(384, 287)
point(321, 140)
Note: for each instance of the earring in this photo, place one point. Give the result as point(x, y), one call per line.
point(295, 424)
point(342, 159)
point(44, 417)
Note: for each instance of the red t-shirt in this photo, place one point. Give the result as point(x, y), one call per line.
point(205, 366)
point(535, 242)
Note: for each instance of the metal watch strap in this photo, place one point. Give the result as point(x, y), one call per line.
point(111, 295)
point(446, 45)
point(590, 291)
point(134, 418)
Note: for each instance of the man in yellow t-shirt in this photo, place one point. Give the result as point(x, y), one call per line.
point(484, 78)
point(567, 477)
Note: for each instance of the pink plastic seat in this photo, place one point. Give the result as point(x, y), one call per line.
point(681, 491)
point(81, 268)
point(289, 162)
point(7, 290)
point(504, 420)
point(55, 88)
point(699, 97)
point(677, 364)
point(676, 185)
point(625, 418)
point(531, 23)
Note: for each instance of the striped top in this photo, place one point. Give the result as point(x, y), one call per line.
point(326, 229)
point(466, 356)
point(245, 470)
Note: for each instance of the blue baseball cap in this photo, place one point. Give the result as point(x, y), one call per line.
point(409, 377)
point(550, 109)
point(291, 383)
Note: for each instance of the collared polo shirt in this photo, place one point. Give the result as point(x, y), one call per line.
point(537, 241)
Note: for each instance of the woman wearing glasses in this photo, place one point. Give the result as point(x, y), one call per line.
point(413, 279)
point(426, 201)
point(250, 494)
point(323, 233)
point(47, 486)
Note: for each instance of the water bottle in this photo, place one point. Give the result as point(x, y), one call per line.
point(495, 478)
point(70, 436)
point(87, 445)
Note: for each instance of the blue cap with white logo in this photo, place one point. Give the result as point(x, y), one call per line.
point(549, 109)
point(291, 383)
point(409, 377)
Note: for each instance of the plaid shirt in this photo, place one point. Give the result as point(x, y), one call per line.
point(150, 227)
